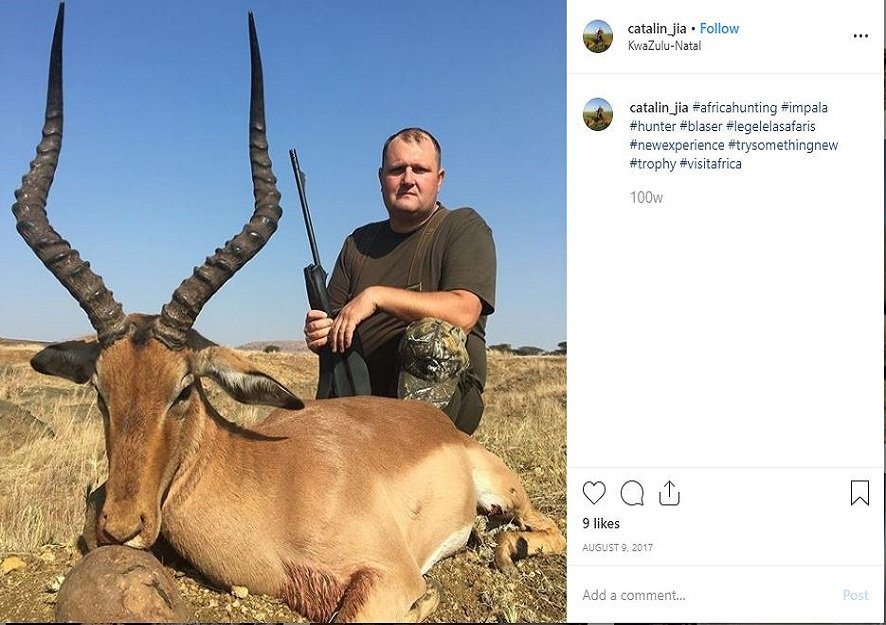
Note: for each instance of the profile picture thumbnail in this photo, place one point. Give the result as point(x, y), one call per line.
point(598, 114)
point(598, 36)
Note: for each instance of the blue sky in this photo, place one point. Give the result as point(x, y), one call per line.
point(154, 171)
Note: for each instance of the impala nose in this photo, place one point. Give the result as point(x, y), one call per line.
point(118, 528)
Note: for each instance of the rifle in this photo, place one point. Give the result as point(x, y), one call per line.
point(343, 374)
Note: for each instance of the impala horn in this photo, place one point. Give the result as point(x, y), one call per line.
point(179, 314)
point(88, 288)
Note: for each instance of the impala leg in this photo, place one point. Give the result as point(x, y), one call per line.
point(540, 535)
point(375, 597)
point(501, 493)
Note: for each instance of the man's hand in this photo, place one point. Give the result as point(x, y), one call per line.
point(317, 325)
point(341, 333)
point(320, 330)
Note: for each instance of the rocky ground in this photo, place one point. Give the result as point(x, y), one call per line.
point(474, 593)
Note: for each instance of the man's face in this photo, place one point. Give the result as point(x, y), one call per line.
point(410, 180)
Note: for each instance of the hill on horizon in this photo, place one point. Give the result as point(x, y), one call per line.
point(289, 347)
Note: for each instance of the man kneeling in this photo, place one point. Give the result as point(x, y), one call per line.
point(419, 285)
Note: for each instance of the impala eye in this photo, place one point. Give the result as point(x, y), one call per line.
point(185, 394)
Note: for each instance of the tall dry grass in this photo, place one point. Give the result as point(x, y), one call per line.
point(43, 483)
point(525, 423)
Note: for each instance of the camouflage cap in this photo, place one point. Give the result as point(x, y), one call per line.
point(432, 357)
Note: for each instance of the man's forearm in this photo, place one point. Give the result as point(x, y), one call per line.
point(458, 307)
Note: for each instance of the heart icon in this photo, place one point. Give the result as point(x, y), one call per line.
point(594, 491)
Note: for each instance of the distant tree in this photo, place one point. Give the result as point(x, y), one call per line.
point(561, 349)
point(529, 350)
point(271, 349)
point(503, 347)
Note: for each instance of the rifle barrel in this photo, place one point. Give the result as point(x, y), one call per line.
point(299, 182)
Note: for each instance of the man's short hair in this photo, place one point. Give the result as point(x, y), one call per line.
point(412, 135)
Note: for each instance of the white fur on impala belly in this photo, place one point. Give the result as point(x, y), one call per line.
point(450, 545)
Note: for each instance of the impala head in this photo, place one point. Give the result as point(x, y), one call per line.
point(147, 369)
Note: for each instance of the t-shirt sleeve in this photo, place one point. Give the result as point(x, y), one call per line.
point(339, 282)
point(469, 260)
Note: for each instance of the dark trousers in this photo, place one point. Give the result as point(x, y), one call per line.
point(466, 406)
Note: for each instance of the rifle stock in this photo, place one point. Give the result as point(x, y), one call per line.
point(341, 375)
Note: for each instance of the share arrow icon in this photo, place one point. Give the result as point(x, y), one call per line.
point(671, 497)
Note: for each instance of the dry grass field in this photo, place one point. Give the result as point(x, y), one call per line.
point(593, 46)
point(597, 124)
point(44, 478)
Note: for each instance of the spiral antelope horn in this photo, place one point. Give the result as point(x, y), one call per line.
point(32, 223)
point(179, 314)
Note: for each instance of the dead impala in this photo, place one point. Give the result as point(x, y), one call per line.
point(338, 506)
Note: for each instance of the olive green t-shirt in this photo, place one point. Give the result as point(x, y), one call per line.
point(460, 255)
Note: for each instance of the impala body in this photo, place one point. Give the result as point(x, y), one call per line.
point(337, 506)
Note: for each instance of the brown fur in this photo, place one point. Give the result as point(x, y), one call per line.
point(314, 594)
point(359, 591)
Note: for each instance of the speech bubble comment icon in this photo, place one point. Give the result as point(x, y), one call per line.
point(594, 491)
point(632, 493)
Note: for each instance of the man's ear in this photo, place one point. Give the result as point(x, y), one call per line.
point(241, 380)
point(73, 360)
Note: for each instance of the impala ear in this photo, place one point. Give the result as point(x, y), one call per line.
point(73, 360)
point(241, 380)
